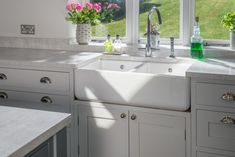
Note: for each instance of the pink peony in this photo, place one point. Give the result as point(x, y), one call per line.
point(74, 5)
point(79, 7)
point(69, 7)
point(89, 6)
point(97, 7)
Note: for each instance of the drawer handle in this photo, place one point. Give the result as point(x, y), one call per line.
point(45, 80)
point(3, 95)
point(123, 115)
point(133, 117)
point(228, 97)
point(3, 77)
point(228, 120)
point(46, 100)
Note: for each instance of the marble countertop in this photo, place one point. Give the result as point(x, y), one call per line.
point(22, 130)
point(44, 58)
point(219, 69)
point(56, 59)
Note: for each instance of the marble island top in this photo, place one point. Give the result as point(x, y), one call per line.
point(22, 130)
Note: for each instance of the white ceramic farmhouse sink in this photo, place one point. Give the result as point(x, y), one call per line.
point(113, 65)
point(147, 84)
point(170, 69)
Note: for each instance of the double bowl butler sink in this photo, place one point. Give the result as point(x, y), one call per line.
point(135, 83)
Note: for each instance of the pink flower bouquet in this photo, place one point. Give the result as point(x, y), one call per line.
point(91, 13)
point(88, 14)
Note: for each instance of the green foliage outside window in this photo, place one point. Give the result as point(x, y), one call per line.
point(211, 13)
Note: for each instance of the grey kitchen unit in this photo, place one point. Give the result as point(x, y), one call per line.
point(46, 149)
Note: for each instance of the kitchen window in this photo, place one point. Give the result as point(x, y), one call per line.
point(211, 13)
point(170, 13)
point(118, 23)
point(177, 20)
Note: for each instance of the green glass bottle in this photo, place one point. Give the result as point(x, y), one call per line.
point(196, 41)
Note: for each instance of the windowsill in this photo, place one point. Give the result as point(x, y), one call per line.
point(180, 50)
point(165, 47)
point(219, 48)
point(67, 44)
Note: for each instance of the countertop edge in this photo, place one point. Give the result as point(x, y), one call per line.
point(213, 76)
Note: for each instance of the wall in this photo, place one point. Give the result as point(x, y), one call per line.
point(48, 16)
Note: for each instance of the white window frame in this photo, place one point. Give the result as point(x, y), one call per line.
point(184, 32)
point(187, 16)
point(207, 42)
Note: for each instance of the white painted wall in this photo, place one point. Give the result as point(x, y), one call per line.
point(47, 15)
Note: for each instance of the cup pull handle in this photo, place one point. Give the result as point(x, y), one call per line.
point(3, 76)
point(228, 120)
point(46, 100)
point(229, 97)
point(3, 95)
point(45, 80)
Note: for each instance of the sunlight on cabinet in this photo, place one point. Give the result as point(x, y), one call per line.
point(100, 122)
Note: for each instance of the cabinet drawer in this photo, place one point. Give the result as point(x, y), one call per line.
point(32, 80)
point(35, 100)
point(215, 95)
point(202, 154)
point(212, 132)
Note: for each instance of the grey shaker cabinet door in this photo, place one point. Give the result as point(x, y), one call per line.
point(47, 148)
point(44, 150)
point(157, 135)
point(103, 132)
point(61, 143)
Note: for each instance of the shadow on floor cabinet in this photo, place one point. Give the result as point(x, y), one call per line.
point(119, 131)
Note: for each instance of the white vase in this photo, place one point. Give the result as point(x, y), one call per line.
point(83, 33)
point(232, 40)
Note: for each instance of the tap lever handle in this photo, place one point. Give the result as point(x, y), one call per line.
point(172, 42)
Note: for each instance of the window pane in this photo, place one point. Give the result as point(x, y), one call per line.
point(118, 23)
point(170, 12)
point(210, 13)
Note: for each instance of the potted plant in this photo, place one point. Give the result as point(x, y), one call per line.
point(83, 17)
point(228, 22)
point(154, 35)
point(89, 15)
